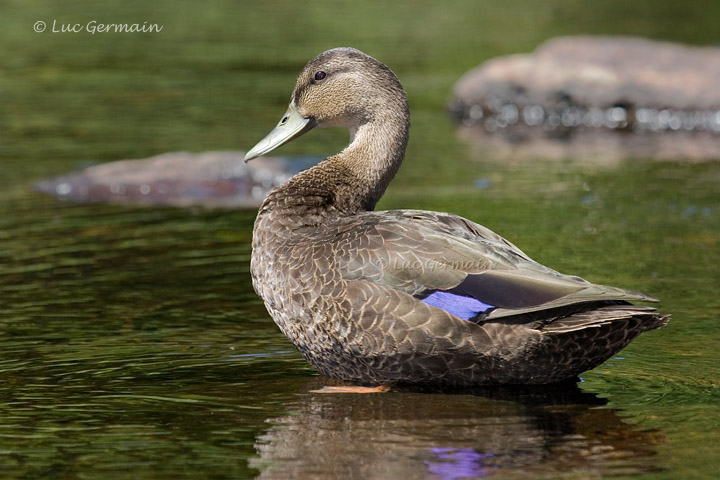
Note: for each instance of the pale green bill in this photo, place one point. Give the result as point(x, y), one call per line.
point(290, 127)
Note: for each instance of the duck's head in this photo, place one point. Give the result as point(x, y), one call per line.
point(342, 87)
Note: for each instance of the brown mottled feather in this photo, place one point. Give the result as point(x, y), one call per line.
point(343, 282)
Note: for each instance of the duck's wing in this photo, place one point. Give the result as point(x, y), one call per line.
point(464, 268)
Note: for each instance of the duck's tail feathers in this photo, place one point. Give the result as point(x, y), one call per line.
point(648, 317)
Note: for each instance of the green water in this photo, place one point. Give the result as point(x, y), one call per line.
point(133, 346)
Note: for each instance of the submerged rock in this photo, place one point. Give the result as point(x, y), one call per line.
point(210, 179)
point(651, 95)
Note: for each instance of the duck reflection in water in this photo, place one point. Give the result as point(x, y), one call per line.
point(458, 463)
point(506, 431)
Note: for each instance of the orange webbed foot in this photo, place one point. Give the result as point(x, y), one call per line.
point(352, 389)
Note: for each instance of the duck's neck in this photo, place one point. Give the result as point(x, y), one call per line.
point(368, 163)
point(351, 181)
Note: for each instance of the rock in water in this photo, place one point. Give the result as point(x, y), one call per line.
point(575, 96)
point(210, 179)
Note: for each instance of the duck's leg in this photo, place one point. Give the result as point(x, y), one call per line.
point(351, 389)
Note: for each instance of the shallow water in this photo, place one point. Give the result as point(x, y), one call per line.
point(132, 344)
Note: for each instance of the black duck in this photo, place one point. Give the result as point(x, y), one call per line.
point(410, 296)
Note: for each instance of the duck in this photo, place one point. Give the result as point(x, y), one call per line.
point(411, 297)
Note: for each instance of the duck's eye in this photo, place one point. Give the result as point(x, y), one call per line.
point(320, 75)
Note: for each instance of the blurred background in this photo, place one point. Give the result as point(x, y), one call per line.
point(131, 339)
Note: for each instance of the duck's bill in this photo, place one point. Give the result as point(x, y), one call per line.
point(290, 127)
